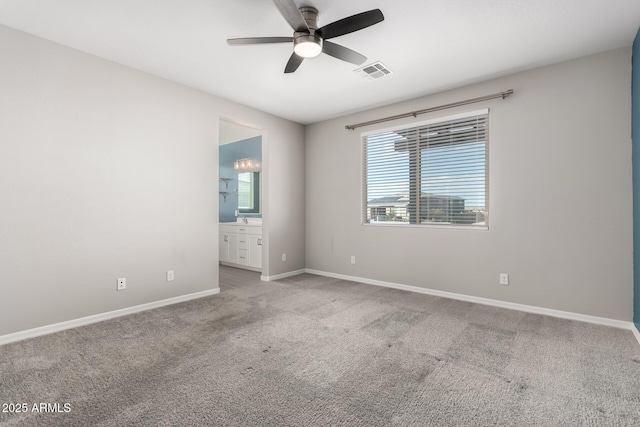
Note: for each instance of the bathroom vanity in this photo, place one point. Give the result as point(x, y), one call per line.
point(241, 245)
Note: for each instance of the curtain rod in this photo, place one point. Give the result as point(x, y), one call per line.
point(502, 95)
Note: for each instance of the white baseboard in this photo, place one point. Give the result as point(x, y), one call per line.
point(282, 276)
point(49, 329)
point(486, 301)
point(242, 266)
point(44, 330)
point(636, 333)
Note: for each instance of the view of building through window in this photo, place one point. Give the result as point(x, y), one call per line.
point(245, 190)
point(435, 173)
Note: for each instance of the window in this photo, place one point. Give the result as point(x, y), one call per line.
point(434, 173)
point(249, 192)
point(245, 191)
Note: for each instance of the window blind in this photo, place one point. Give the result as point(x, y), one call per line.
point(245, 191)
point(433, 173)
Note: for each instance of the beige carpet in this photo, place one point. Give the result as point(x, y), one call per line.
point(311, 351)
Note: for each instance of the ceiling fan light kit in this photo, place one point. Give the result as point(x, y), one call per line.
point(307, 45)
point(309, 40)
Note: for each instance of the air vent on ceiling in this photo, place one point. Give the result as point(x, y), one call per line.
point(373, 71)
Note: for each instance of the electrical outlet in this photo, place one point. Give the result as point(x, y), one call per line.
point(504, 279)
point(170, 276)
point(284, 257)
point(122, 284)
point(353, 259)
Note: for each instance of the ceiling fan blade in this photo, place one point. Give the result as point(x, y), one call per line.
point(258, 40)
point(343, 53)
point(291, 14)
point(351, 24)
point(294, 63)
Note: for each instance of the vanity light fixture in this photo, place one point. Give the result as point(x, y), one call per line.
point(246, 164)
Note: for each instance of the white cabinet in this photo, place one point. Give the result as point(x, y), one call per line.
point(241, 245)
point(229, 247)
point(255, 251)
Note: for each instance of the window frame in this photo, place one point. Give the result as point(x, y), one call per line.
point(412, 126)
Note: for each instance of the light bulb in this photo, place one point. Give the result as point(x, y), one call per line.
point(307, 46)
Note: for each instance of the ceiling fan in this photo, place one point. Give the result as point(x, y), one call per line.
point(309, 40)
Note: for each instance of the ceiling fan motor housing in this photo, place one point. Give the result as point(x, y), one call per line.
point(310, 15)
point(307, 44)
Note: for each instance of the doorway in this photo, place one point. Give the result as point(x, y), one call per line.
point(240, 196)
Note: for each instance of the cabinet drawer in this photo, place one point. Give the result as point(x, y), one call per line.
point(226, 228)
point(255, 231)
point(243, 241)
point(243, 256)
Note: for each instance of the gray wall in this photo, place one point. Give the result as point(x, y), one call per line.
point(108, 172)
point(560, 195)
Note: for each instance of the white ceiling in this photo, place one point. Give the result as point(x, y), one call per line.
point(430, 45)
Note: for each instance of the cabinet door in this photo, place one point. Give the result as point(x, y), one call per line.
point(223, 248)
point(255, 251)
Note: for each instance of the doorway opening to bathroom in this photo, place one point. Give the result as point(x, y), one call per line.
point(240, 196)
